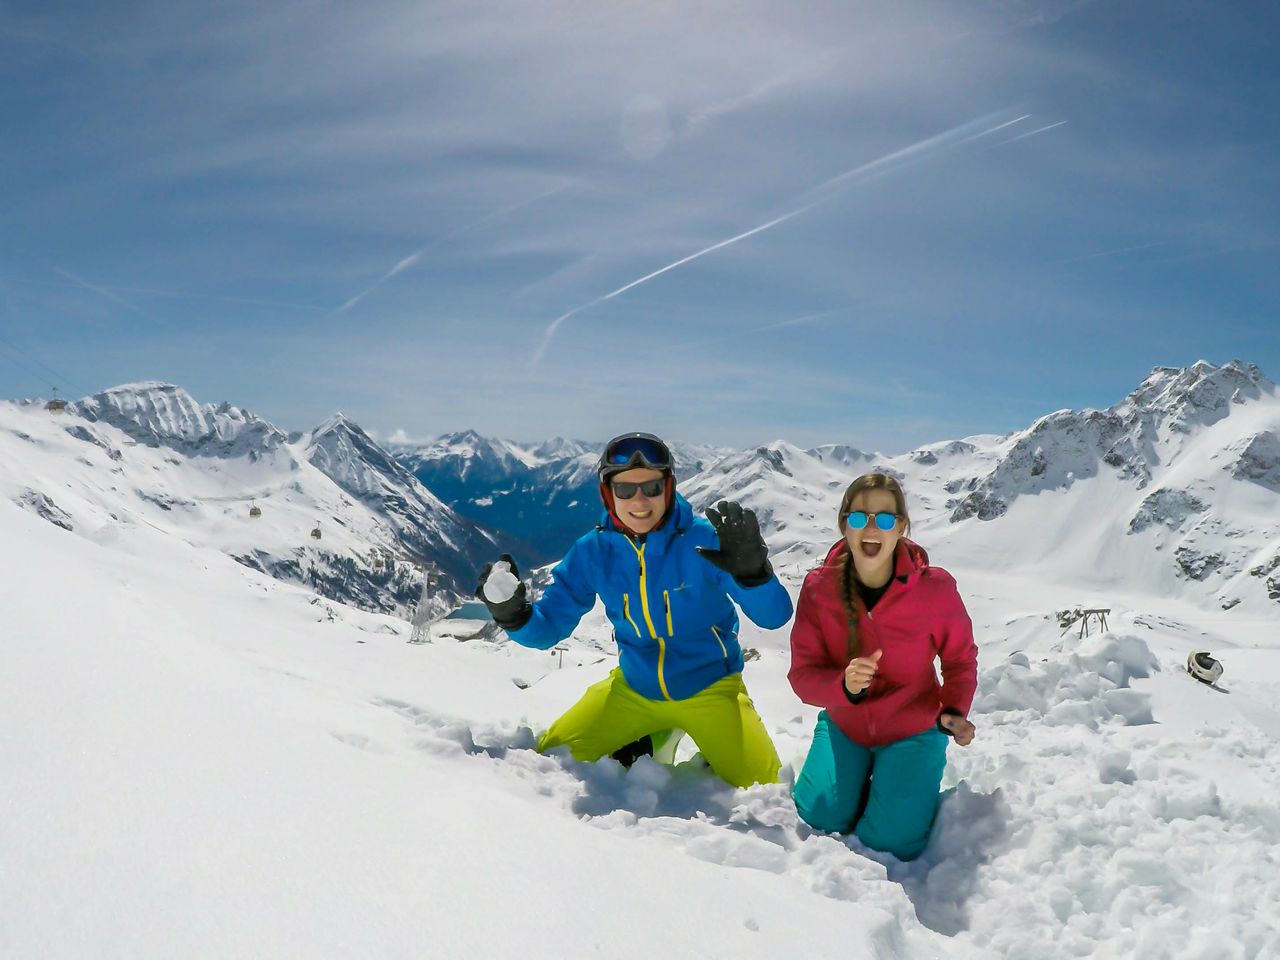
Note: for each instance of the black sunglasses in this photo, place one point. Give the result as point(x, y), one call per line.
point(650, 488)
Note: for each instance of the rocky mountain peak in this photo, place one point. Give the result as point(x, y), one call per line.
point(1201, 394)
point(344, 452)
point(156, 413)
point(339, 423)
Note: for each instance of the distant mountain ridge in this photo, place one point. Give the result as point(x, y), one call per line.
point(542, 496)
point(1177, 485)
point(162, 414)
point(1175, 489)
point(333, 510)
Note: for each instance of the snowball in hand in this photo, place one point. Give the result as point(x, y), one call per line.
point(501, 583)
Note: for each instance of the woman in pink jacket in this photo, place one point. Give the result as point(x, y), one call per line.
point(869, 624)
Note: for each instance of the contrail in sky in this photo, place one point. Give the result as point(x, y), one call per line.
point(555, 324)
point(414, 257)
point(105, 292)
point(1032, 133)
point(955, 136)
point(776, 325)
point(1112, 253)
point(112, 293)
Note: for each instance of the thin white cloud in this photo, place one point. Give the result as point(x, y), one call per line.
point(1218, 252)
point(404, 438)
point(1119, 251)
point(701, 116)
point(105, 292)
point(416, 256)
point(800, 321)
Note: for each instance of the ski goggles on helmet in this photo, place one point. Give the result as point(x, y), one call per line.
point(633, 450)
point(623, 490)
point(860, 518)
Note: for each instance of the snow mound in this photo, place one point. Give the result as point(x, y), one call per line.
point(1089, 687)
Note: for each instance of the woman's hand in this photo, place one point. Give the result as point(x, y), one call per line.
point(858, 674)
point(961, 730)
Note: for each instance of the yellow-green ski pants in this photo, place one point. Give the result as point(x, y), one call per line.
point(721, 720)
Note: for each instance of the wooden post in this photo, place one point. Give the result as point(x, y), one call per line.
point(1100, 615)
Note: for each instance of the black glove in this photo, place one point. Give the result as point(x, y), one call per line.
point(514, 612)
point(742, 554)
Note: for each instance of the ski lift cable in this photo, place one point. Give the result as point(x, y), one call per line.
point(48, 371)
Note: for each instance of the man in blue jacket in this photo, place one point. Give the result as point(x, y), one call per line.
point(667, 579)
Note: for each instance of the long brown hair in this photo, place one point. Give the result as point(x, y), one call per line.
point(844, 561)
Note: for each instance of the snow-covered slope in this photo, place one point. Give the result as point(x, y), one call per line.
point(203, 762)
point(198, 765)
point(147, 454)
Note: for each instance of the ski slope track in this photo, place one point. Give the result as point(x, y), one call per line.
point(203, 761)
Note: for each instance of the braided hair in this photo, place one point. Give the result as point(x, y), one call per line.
point(848, 574)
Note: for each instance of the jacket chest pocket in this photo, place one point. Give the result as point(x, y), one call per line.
point(682, 611)
point(691, 622)
point(628, 616)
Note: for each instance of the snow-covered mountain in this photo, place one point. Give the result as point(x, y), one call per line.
point(422, 525)
point(329, 509)
point(1174, 490)
point(161, 414)
point(541, 496)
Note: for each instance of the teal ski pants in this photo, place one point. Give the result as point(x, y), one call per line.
point(887, 796)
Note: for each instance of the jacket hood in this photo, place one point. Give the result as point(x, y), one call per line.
point(909, 559)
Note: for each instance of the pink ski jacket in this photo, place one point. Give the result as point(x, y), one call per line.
point(919, 618)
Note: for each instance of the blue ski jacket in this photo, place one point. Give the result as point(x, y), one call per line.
point(676, 630)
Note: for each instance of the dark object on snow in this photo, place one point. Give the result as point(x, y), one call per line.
point(1204, 668)
point(634, 751)
point(1068, 618)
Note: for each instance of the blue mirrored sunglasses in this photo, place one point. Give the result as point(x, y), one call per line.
point(859, 519)
point(638, 450)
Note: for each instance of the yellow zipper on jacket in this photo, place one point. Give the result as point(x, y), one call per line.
point(719, 641)
point(666, 602)
point(626, 612)
point(648, 620)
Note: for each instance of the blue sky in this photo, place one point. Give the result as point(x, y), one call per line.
point(985, 210)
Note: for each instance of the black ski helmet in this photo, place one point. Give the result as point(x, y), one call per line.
point(630, 450)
